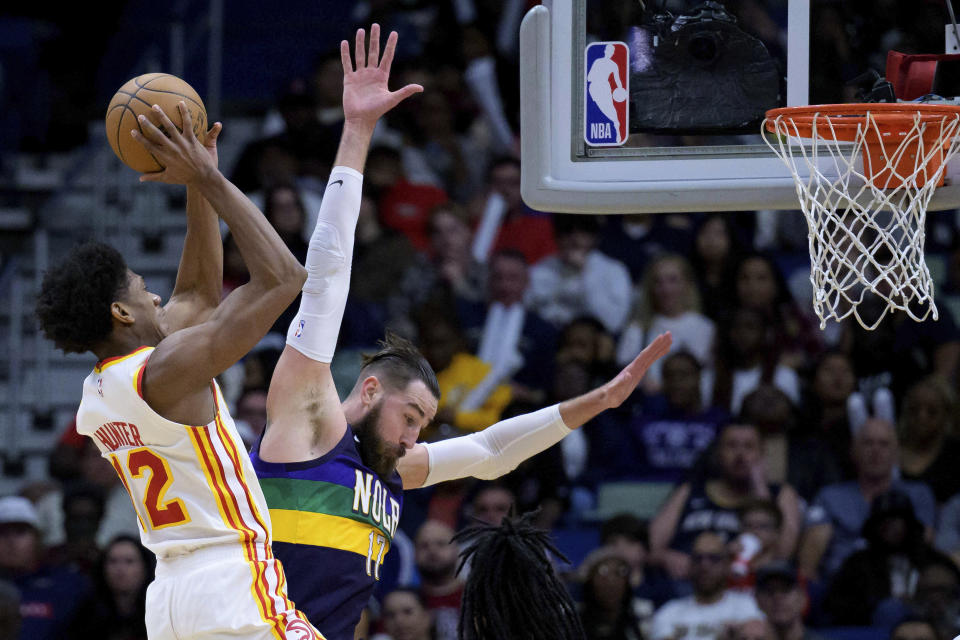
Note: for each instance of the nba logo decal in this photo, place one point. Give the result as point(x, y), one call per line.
point(299, 331)
point(605, 92)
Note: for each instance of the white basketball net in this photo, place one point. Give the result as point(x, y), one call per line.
point(865, 240)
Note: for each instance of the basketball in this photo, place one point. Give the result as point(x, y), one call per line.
point(137, 96)
point(619, 95)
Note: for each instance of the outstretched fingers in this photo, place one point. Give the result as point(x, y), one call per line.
point(374, 55)
point(345, 57)
point(388, 52)
point(653, 352)
point(359, 52)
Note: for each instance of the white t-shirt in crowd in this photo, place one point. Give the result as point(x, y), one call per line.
point(685, 619)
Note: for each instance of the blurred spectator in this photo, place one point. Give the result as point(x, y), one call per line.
point(234, 268)
point(900, 351)
point(117, 607)
point(118, 514)
point(579, 280)
point(448, 272)
point(83, 507)
point(10, 620)
point(251, 415)
point(540, 483)
point(748, 356)
point(712, 503)
point(440, 587)
point(627, 535)
point(716, 252)
point(673, 428)
point(667, 300)
point(456, 159)
point(887, 567)
point(712, 606)
point(761, 521)
point(792, 454)
point(936, 599)
point(404, 206)
point(929, 446)
point(824, 407)
point(638, 239)
point(782, 600)
point(491, 504)
point(835, 519)
point(529, 232)
point(607, 606)
point(760, 286)
point(752, 630)
point(473, 394)
point(405, 617)
point(585, 340)
point(506, 334)
point(915, 630)
point(285, 211)
point(49, 595)
point(948, 529)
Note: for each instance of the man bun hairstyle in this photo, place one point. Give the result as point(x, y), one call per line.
point(398, 363)
point(73, 306)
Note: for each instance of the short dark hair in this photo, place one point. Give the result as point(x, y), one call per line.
point(626, 525)
point(73, 306)
point(398, 363)
point(569, 223)
point(762, 504)
point(509, 253)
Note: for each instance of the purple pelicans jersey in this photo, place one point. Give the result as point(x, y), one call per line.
point(333, 522)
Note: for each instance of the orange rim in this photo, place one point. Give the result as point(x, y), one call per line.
point(892, 118)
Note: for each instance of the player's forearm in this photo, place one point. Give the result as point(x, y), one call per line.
point(354, 145)
point(201, 264)
point(582, 409)
point(267, 258)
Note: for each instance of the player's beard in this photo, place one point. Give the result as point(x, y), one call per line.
point(376, 452)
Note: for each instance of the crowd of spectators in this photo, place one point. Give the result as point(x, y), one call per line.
point(811, 470)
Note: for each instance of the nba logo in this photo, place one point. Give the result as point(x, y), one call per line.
point(605, 92)
point(100, 386)
point(299, 331)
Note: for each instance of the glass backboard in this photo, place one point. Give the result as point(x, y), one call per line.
point(687, 112)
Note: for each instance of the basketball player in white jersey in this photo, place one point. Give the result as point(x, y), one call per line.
point(152, 407)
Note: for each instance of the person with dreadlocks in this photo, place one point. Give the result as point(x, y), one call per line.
point(334, 471)
point(513, 590)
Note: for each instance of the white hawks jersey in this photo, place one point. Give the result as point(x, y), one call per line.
point(191, 486)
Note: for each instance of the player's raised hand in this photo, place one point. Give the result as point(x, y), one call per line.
point(366, 96)
point(184, 158)
point(620, 388)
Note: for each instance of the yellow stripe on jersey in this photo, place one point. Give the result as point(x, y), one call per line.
point(229, 511)
point(322, 530)
point(230, 446)
point(109, 362)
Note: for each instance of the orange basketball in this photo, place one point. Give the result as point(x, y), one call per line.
point(138, 96)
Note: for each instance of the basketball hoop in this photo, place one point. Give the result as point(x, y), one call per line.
point(865, 174)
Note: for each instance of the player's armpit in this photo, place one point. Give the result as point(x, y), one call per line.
point(304, 415)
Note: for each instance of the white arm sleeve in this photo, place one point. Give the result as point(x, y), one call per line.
point(496, 450)
point(314, 330)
